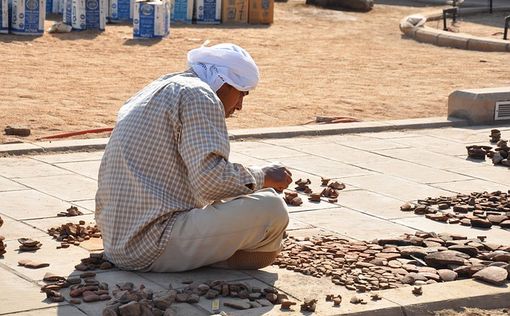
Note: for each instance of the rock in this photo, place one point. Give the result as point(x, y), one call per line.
point(286, 304)
point(17, 131)
point(469, 250)
point(309, 305)
point(408, 251)
point(492, 275)
point(505, 224)
point(444, 258)
point(417, 290)
point(447, 275)
point(89, 296)
point(481, 223)
point(32, 264)
point(236, 303)
point(264, 302)
point(497, 219)
point(130, 309)
point(355, 300)
point(407, 207)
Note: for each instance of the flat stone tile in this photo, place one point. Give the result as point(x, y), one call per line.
point(85, 168)
point(371, 144)
point(323, 167)
point(246, 161)
point(198, 275)
point(397, 188)
point(86, 206)
point(449, 295)
point(438, 145)
point(469, 186)
point(9, 185)
point(13, 288)
point(294, 141)
point(294, 224)
point(70, 157)
point(391, 134)
point(15, 168)
point(494, 235)
point(428, 158)
point(351, 223)
point(66, 187)
point(374, 204)
point(263, 151)
point(303, 286)
point(113, 278)
point(13, 229)
point(340, 153)
point(30, 204)
point(24, 147)
point(45, 223)
point(498, 174)
point(62, 261)
point(412, 171)
point(63, 310)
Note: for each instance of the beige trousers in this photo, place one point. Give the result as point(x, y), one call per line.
point(201, 237)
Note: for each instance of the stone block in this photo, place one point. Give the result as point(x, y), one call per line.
point(426, 35)
point(452, 40)
point(476, 105)
point(488, 45)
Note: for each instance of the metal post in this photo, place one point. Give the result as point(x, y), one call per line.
point(507, 24)
point(449, 12)
point(490, 6)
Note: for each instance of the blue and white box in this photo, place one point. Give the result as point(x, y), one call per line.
point(53, 6)
point(151, 19)
point(4, 16)
point(181, 11)
point(208, 11)
point(121, 10)
point(28, 17)
point(85, 14)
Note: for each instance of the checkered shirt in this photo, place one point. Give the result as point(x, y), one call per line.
point(167, 154)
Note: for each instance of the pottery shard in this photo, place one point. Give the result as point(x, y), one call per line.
point(408, 251)
point(492, 275)
point(237, 303)
point(505, 224)
point(469, 250)
point(501, 256)
point(32, 264)
point(443, 258)
point(481, 223)
point(447, 275)
point(497, 219)
point(130, 309)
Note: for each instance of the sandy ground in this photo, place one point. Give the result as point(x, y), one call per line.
point(313, 62)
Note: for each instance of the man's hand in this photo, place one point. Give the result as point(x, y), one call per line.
point(277, 177)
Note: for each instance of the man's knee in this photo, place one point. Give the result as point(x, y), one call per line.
point(275, 207)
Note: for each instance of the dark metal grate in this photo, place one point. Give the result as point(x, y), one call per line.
point(502, 110)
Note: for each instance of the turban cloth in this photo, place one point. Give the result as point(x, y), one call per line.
point(224, 63)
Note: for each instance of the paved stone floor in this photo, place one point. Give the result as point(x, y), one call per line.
point(381, 170)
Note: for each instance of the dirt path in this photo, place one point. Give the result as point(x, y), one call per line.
point(313, 62)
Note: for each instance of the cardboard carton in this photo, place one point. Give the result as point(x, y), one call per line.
point(261, 11)
point(234, 11)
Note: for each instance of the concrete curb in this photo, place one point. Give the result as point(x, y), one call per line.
point(259, 133)
point(465, 41)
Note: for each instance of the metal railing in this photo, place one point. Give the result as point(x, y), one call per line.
point(450, 12)
point(507, 24)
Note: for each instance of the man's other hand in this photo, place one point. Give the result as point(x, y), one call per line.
point(277, 176)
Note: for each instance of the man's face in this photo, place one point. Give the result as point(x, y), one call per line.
point(231, 98)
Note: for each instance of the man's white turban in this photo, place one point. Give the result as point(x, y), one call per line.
point(224, 63)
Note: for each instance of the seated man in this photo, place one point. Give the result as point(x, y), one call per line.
point(165, 175)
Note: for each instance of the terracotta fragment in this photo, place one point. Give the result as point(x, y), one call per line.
point(32, 264)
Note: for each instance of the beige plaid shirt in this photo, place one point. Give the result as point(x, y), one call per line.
point(167, 154)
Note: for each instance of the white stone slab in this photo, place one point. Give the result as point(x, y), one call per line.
point(435, 144)
point(9, 185)
point(70, 187)
point(30, 204)
point(13, 288)
point(263, 151)
point(19, 167)
point(85, 168)
point(397, 188)
point(13, 229)
point(373, 145)
point(351, 223)
point(323, 167)
point(45, 223)
point(469, 186)
point(70, 157)
point(497, 174)
point(62, 310)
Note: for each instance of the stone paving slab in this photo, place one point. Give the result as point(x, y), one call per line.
point(69, 187)
point(9, 185)
point(381, 171)
point(13, 287)
point(28, 204)
point(64, 310)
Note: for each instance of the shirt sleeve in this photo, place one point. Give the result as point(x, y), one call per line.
point(204, 147)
